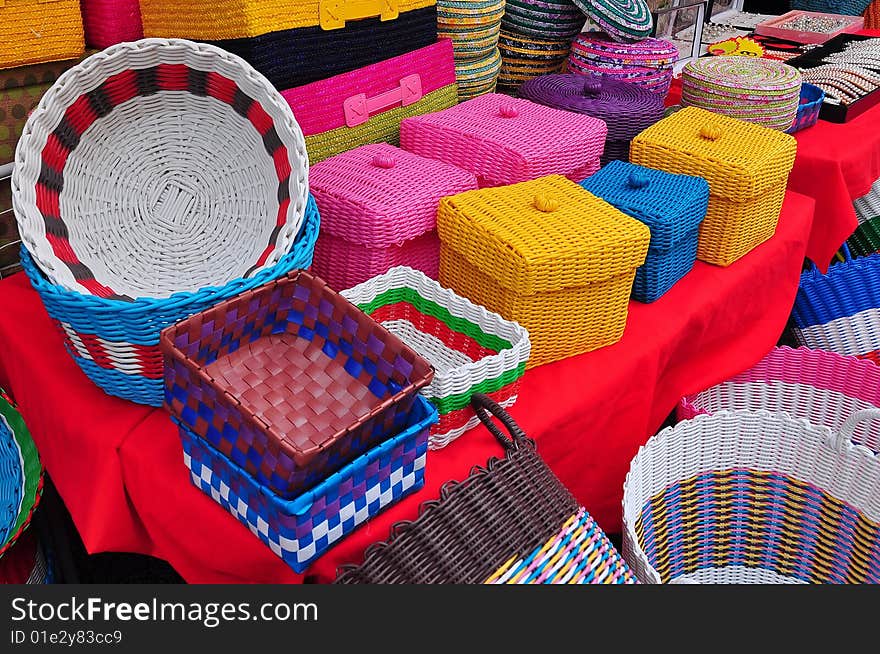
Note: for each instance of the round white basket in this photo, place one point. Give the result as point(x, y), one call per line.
point(159, 166)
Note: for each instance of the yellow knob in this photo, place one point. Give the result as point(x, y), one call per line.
point(710, 132)
point(545, 203)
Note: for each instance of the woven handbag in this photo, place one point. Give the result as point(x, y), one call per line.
point(36, 31)
point(108, 22)
point(290, 381)
point(300, 56)
point(511, 521)
point(472, 349)
point(822, 387)
point(840, 310)
point(367, 105)
point(299, 530)
point(21, 475)
point(116, 343)
point(378, 209)
point(156, 167)
point(753, 497)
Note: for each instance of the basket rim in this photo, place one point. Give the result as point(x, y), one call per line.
point(88, 76)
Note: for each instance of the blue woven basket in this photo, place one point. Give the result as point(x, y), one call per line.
point(116, 344)
point(672, 206)
point(812, 98)
point(840, 310)
point(301, 529)
point(841, 7)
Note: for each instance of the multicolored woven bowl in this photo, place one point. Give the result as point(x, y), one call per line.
point(647, 63)
point(543, 18)
point(622, 20)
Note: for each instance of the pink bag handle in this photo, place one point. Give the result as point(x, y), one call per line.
point(358, 108)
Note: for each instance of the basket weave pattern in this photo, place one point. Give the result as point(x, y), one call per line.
point(289, 380)
point(472, 350)
point(747, 168)
point(302, 529)
point(567, 280)
point(35, 31)
point(108, 22)
point(506, 140)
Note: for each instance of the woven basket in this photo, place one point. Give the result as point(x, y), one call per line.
point(473, 26)
point(290, 381)
point(747, 168)
point(367, 105)
point(295, 57)
point(548, 255)
point(233, 19)
point(622, 20)
point(301, 529)
point(672, 206)
point(524, 57)
point(36, 31)
point(840, 311)
point(761, 91)
point(868, 206)
point(742, 497)
point(506, 140)
point(824, 388)
point(560, 19)
point(108, 22)
point(471, 349)
point(840, 7)
point(864, 241)
point(626, 109)
point(379, 210)
point(511, 521)
point(872, 15)
point(21, 475)
point(811, 101)
point(116, 344)
point(177, 111)
point(647, 63)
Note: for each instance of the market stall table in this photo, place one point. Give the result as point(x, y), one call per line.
point(835, 164)
point(119, 468)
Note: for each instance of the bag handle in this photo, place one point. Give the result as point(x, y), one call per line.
point(486, 408)
point(334, 14)
point(358, 108)
point(845, 436)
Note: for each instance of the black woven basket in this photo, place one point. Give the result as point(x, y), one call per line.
point(299, 56)
point(511, 505)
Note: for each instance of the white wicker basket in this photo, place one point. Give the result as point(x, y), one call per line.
point(753, 497)
point(159, 166)
point(471, 348)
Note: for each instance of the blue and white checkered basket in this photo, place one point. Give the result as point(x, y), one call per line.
point(302, 529)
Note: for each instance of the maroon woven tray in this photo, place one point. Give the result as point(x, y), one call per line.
point(290, 380)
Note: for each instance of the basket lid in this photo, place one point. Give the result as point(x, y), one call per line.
point(671, 205)
point(740, 160)
point(622, 20)
point(626, 108)
point(379, 195)
point(542, 235)
point(498, 138)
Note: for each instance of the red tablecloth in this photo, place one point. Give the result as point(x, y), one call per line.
point(119, 466)
point(835, 164)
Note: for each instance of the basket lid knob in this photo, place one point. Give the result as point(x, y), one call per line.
point(637, 179)
point(508, 111)
point(384, 161)
point(710, 132)
point(592, 85)
point(545, 203)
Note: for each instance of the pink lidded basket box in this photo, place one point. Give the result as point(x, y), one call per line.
point(504, 140)
point(378, 208)
point(366, 105)
point(108, 22)
point(793, 26)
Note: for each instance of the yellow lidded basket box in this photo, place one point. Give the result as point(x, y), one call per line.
point(747, 168)
point(37, 31)
point(234, 19)
point(547, 254)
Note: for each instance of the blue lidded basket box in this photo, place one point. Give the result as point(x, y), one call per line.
point(672, 206)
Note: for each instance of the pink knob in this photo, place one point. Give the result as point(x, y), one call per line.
point(384, 161)
point(508, 111)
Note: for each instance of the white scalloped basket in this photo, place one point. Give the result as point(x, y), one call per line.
point(744, 497)
point(159, 166)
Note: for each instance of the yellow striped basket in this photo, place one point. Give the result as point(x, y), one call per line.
point(234, 19)
point(747, 168)
point(548, 255)
point(36, 31)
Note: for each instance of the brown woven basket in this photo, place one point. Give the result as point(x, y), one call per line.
point(510, 505)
